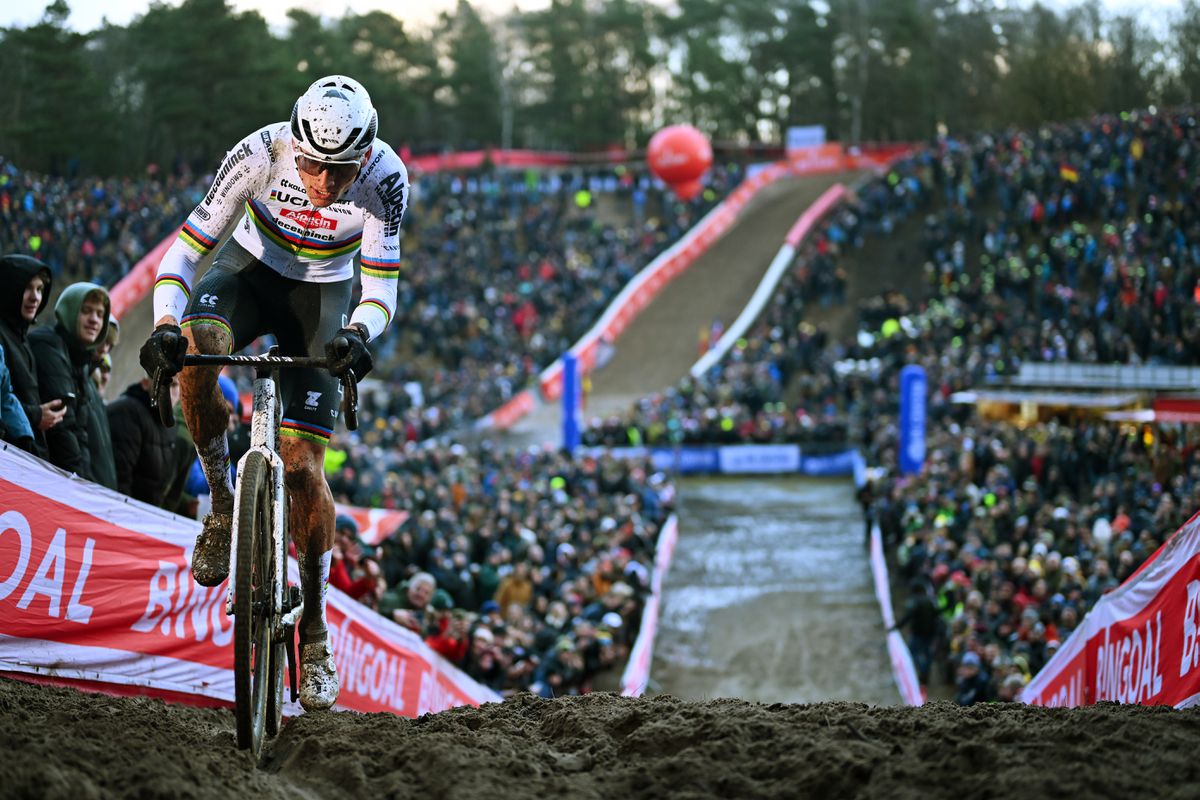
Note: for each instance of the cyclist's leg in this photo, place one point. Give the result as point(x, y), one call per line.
point(311, 401)
point(310, 522)
point(220, 318)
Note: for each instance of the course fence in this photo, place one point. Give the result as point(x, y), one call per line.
point(95, 591)
point(1140, 643)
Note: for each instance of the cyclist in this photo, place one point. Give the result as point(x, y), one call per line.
point(311, 193)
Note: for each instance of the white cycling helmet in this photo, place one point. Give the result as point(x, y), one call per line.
point(334, 121)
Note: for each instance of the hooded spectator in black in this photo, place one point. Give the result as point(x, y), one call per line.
point(24, 292)
point(63, 355)
point(144, 450)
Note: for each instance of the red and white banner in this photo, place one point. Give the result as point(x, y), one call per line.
point(1140, 644)
point(95, 589)
point(510, 413)
point(637, 672)
point(374, 524)
point(904, 672)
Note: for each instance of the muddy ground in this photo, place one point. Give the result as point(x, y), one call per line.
point(61, 743)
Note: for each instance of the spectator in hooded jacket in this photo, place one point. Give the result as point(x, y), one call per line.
point(24, 293)
point(63, 355)
point(143, 450)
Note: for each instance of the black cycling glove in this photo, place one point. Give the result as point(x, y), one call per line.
point(163, 352)
point(348, 351)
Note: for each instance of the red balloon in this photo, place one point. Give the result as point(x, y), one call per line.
point(686, 191)
point(679, 154)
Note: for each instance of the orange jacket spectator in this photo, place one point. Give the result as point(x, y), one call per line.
point(515, 588)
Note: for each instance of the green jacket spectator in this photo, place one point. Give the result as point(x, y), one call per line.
point(64, 360)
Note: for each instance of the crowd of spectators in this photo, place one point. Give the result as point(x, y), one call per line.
point(545, 558)
point(504, 274)
point(90, 229)
point(1072, 243)
point(1086, 242)
point(527, 569)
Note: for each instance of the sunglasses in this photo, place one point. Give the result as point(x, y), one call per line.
point(339, 172)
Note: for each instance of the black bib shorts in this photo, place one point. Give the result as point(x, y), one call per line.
point(248, 299)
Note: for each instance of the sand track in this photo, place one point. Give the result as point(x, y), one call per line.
point(61, 743)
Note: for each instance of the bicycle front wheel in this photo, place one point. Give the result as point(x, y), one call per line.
point(253, 593)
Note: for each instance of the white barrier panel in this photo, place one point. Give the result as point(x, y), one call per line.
point(1140, 643)
point(637, 672)
point(758, 459)
point(771, 279)
point(95, 588)
point(903, 670)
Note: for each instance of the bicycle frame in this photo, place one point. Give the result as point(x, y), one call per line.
point(277, 611)
point(264, 438)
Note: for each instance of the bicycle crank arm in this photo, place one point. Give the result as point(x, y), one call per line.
point(292, 617)
point(289, 638)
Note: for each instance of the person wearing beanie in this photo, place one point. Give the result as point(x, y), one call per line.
point(63, 355)
point(24, 292)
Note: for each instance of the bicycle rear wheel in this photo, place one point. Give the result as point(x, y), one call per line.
point(253, 661)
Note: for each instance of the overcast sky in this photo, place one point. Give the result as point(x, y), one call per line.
point(87, 14)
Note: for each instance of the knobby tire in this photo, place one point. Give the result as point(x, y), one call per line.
point(253, 664)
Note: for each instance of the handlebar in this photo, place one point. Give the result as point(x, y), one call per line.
point(160, 395)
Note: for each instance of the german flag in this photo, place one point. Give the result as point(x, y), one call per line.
point(1068, 173)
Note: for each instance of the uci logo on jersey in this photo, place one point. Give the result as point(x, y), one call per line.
point(284, 197)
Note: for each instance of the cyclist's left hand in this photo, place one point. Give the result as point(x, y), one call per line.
point(348, 351)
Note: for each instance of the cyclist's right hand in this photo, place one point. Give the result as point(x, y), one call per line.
point(348, 352)
point(162, 354)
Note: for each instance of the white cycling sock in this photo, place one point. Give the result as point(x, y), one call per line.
point(314, 584)
point(214, 460)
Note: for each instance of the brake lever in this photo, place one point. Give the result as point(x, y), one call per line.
point(350, 401)
point(160, 398)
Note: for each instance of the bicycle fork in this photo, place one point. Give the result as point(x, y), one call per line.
point(287, 603)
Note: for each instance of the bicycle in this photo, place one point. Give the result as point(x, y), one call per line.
point(264, 607)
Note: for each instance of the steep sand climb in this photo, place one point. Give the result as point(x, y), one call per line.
point(660, 346)
point(60, 743)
